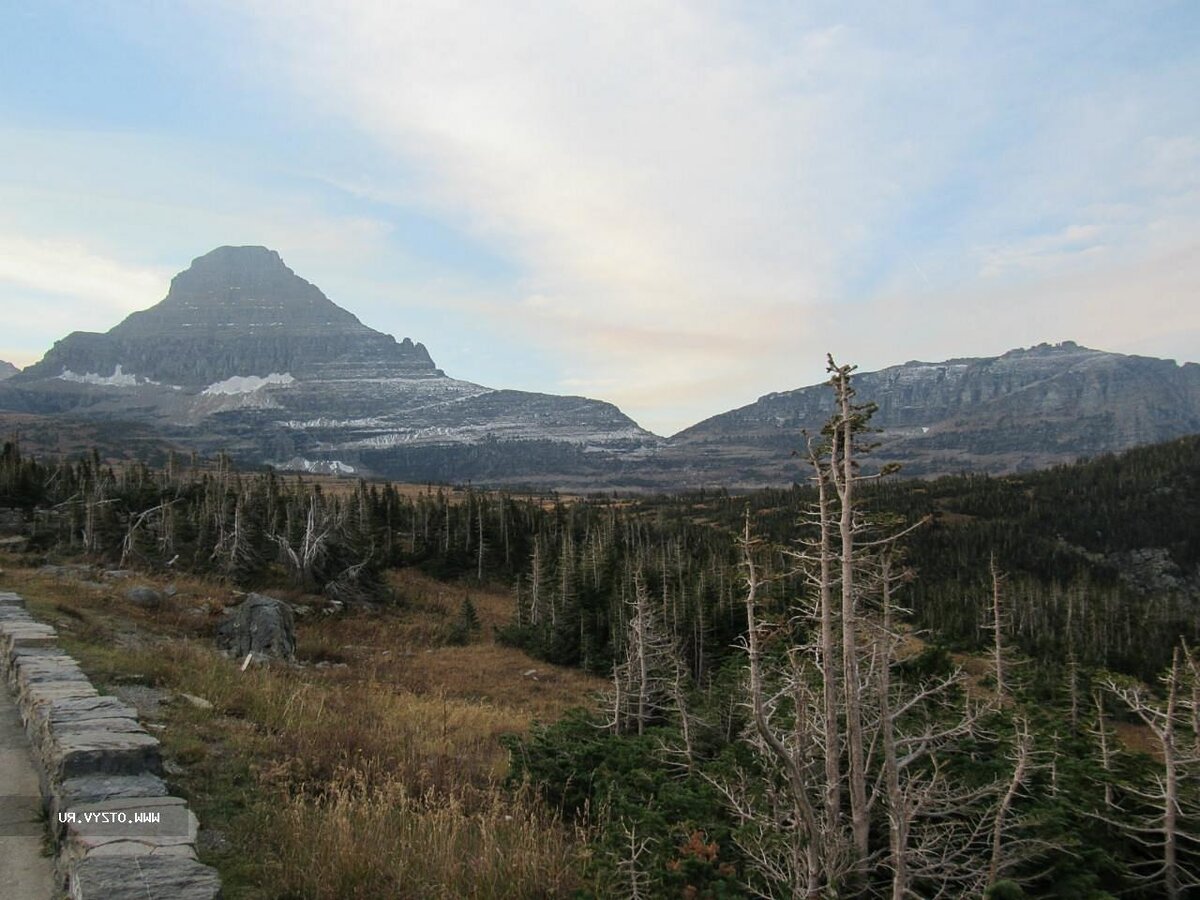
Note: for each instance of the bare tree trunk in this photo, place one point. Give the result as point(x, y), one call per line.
point(898, 811)
point(997, 632)
point(843, 459)
point(1171, 788)
point(641, 659)
point(1105, 751)
point(1024, 747)
point(805, 841)
point(829, 655)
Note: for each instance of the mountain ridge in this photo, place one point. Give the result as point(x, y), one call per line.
point(245, 356)
point(1026, 408)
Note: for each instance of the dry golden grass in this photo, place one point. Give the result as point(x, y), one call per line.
point(420, 847)
point(377, 776)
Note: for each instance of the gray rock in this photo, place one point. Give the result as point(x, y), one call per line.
point(1026, 409)
point(142, 878)
point(144, 596)
point(77, 714)
point(110, 828)
point(102, 752)
point(101, 788)
point(258, 625)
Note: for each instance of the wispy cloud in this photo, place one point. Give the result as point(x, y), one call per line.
point(52, 287)
point(71, 269)
point(691, 193)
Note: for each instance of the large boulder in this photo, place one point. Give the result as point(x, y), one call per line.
point(144, 596)
point(258, 625)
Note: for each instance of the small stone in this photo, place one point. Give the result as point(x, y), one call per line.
point(198, 702)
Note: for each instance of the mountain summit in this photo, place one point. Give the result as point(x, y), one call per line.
point(236, 311)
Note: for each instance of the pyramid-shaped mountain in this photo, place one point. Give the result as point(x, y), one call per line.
point(236, 311)
point(244, 355)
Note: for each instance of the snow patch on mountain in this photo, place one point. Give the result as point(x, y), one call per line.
point(326, 422)
point(118, 378)
point(501, 430)
point(316, 466)
point(247, 384)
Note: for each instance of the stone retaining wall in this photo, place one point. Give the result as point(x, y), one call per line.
point(95, 761)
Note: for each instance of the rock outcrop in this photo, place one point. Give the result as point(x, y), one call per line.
point(7, 370)
point(259, 625)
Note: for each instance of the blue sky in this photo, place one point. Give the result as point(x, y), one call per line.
point(675, 206)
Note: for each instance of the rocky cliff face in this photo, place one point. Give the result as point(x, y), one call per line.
point(7, 370)
point(244, 355)
point(1028, 408)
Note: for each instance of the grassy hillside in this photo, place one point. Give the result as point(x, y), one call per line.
point(372, 769)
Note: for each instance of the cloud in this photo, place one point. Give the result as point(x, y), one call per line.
point(696, 196)
point(73, 271)
point(50, 287)
point(677, 206)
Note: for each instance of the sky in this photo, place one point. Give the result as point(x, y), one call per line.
point(673, 206)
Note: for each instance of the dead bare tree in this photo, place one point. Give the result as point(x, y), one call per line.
point(829, 719)
point(1170, 830)
point(303, 558)
point(646, 679)
point(129, 549)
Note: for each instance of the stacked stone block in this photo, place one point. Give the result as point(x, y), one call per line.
point(96, 761)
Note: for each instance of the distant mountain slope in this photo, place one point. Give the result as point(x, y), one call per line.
point(244, 355)
point(7, 370)
point(1026, 409)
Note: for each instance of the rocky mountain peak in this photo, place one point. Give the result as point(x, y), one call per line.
point(243, 287)
point(235, 312)
point(7, 370)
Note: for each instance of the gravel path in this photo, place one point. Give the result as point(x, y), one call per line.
point(25, 874)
